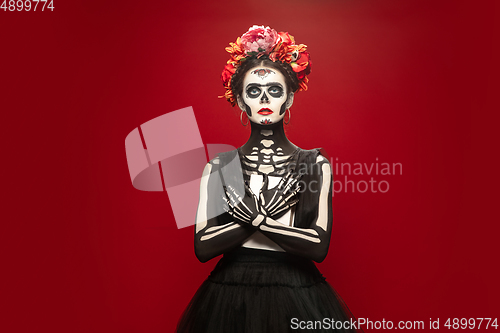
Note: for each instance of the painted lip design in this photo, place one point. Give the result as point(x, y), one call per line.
point(265, 111)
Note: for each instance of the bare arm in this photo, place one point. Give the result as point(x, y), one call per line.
point(215, 231)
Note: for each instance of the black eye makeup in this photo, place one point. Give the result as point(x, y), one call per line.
point(275, 91)
point(253, 92)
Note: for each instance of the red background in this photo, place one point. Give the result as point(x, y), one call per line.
point(411, 82)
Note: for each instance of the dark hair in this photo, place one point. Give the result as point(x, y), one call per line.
point(291, 80)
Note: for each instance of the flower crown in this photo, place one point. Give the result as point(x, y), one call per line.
point(259, 41)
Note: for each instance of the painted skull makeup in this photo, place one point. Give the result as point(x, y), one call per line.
point(264, 96)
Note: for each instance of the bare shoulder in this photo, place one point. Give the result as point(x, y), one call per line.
point(214, 161)
point(323, 163)
point(211, 166)
point(321, 159)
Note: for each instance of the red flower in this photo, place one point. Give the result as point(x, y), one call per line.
point(302, 66)
point(286, 38)
point(227, 73)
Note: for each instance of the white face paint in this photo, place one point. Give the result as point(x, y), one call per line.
point(264, 95)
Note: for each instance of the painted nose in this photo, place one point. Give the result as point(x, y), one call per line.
point(264, 98)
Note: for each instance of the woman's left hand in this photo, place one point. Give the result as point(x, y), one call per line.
point(278, 200)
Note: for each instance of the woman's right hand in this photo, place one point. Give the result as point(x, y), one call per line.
point(244, 209)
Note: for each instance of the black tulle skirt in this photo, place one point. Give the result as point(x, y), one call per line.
point(259, 291)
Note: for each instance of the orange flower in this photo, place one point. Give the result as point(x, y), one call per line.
point(303, 84)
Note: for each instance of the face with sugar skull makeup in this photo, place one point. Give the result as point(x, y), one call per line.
point(265, 97)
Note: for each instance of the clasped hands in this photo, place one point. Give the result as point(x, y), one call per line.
point(270, 203)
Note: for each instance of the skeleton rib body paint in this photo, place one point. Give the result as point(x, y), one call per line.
point(260, 231)
point(257, 221)
point(266, 155)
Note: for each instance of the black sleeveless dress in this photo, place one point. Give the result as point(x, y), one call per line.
point(259, 291)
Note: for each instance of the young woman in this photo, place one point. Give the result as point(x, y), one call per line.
point(266, 206)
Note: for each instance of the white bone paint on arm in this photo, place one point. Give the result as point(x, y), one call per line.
point(219, 234)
